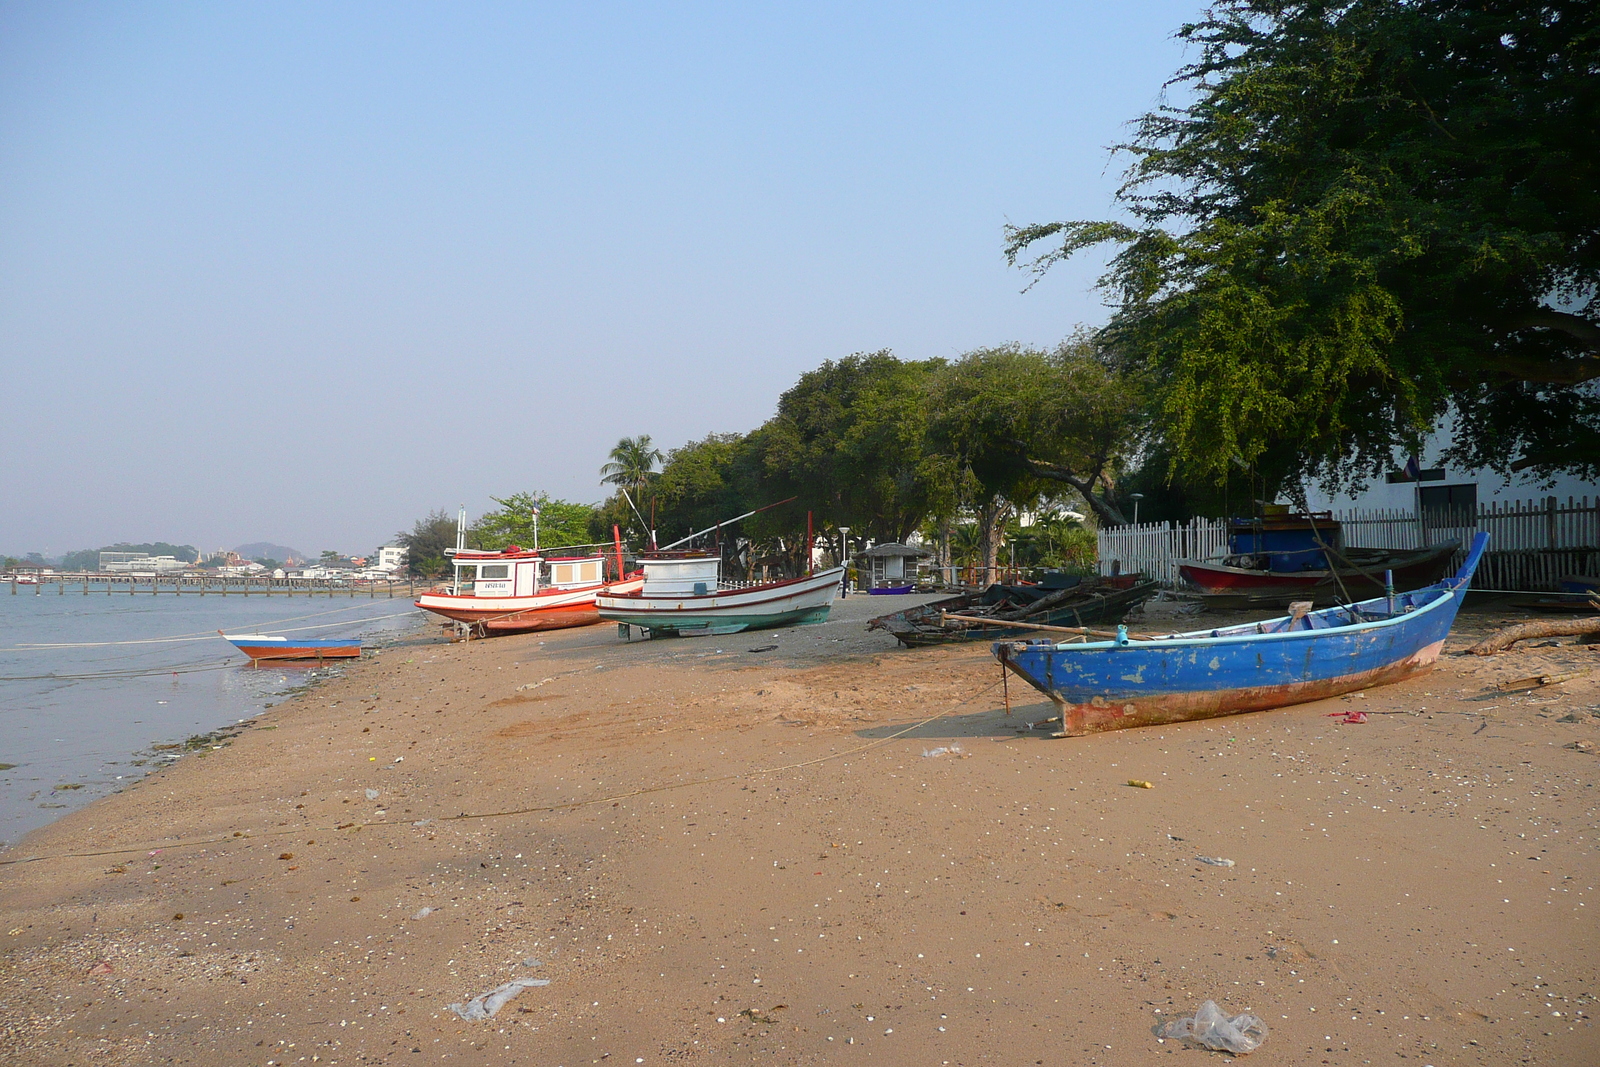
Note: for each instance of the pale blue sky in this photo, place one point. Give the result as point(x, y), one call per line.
point(303, 272)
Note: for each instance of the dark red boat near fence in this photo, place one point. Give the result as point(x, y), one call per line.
point(1304, 555)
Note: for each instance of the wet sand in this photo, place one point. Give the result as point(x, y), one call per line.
point(718, 854)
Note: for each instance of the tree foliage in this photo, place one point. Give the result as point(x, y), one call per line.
point(851, 439)
point(1368, 215)
point(1019, 419)
point(632, 464)
point(426, 541)
point(560, 523)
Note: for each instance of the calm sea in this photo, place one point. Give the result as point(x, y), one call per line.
point(130, 673)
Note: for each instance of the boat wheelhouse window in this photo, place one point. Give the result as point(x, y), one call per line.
point(494, 570)
point(575, 573)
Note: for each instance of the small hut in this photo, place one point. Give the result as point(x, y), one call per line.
point(889, 568)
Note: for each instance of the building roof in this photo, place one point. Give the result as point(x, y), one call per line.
point(894, 548)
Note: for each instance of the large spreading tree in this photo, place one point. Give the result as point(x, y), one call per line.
point(1358, 221)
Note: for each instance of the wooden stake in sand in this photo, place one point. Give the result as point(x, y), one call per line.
point(1538, 681)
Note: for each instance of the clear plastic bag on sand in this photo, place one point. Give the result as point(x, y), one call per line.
point(487, 1004)
point(1239, 1035)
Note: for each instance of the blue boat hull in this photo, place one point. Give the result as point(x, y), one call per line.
point(1112, 685)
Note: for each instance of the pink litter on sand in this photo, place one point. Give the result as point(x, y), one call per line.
point(1348, 717)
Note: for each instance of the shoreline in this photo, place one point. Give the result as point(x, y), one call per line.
point(100, 695)
point(686, 831)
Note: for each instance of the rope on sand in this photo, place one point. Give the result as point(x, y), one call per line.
point(571, 805)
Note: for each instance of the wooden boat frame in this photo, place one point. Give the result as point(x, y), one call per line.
point(1108, 606)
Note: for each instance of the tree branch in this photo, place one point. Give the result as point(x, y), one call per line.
point(1107, 512)
point(1574, 371)
point(1585, 330)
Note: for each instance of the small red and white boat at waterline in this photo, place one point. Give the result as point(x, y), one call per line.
point(515, 591)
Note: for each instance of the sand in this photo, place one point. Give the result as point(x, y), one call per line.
point(744, 849)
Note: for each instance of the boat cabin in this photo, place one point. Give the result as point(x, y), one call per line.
point(681, 575)
point(514, 571)
point(1284, 542)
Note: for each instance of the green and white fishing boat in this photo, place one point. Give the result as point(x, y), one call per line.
point(683, 594)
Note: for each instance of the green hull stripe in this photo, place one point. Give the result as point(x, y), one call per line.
point(718, 624)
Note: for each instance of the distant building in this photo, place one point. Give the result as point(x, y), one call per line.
point(140, 563)
point(391, 558)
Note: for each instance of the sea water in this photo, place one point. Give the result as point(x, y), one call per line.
point(91, 685)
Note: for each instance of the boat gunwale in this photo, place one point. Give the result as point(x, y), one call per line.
point(833, 574)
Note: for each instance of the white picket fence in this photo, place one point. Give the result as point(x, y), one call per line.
point(1157, 547)
point(1532, 543)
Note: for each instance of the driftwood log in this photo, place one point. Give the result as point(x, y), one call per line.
point(1503, 639)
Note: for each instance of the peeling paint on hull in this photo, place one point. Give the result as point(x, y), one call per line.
point(1100, 714)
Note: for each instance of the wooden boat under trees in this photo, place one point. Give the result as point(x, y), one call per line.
point(1094, 600)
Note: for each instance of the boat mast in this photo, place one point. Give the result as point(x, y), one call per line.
point(461, 543)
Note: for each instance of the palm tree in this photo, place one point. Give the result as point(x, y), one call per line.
point(633, 463)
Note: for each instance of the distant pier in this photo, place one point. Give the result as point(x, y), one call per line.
point(93, 582)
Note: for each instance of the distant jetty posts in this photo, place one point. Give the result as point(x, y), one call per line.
point(201, 584)
point(140, 572)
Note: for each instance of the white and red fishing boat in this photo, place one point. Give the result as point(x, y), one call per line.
point(514, 590)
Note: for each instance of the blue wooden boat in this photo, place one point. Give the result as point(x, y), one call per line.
point(1127, 681)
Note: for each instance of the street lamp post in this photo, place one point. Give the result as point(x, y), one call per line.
point(844, 561)
point(1136, 497)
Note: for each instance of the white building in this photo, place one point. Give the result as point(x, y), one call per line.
point(391, 558)
point(1432, 486)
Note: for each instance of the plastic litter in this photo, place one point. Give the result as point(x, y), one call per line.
point(485, 1005)
point(1140, 783)
point(1215, 861)
point(372, 794)
point(943, 750)
point(1240, 1035)
point(423, 914)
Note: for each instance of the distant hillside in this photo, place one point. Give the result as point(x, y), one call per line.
point(268, 550)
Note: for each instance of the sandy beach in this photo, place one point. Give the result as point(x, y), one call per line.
point(751, 849)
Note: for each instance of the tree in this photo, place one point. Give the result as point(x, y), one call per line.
point(1370, 214)
point(426, 541)
point(1017, 417)
point(560, 523)
point(633, 464)
point(699, 485)
point(850, 439)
